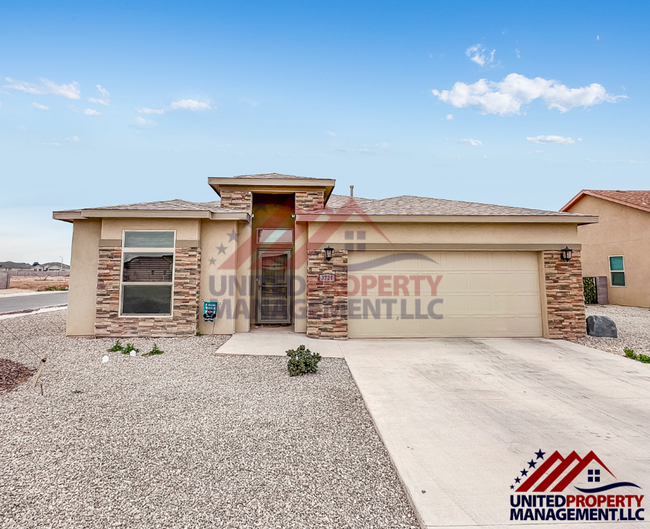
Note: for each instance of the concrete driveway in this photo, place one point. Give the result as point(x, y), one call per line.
point(461, 418)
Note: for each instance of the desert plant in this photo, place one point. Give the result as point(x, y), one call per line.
point(630, 353)
point(154, 351)
point(116, 347)
point(644, 358)
point(302, 361)
point(589, 289)
point(130, 347)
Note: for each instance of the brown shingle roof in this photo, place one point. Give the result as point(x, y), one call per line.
point(277, 175)
point(410, 205)
point(167, 205)
point(634, 199)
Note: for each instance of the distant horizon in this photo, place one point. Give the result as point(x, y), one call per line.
point(509, 104)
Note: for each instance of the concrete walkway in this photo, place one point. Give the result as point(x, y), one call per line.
point(462, 418)
point(276, 341)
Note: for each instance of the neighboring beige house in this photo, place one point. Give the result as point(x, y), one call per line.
point(284, 250)
point(618, 247)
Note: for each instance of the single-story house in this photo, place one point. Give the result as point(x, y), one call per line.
point(285, 250)
point(618, 247)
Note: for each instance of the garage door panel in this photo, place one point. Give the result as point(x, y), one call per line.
point(479, 294)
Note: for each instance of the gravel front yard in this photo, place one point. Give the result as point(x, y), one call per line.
point(189, 438)
point(632, 323)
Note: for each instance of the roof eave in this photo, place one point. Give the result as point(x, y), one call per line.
point(70, 216)
point(487, 219)
point(270, 184)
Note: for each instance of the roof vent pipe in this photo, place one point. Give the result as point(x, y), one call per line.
point(351, 191)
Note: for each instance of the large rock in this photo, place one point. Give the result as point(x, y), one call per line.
point(601, 326)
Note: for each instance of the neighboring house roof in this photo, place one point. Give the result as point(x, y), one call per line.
point(634, 199)
point(14, 266)
point(411, 205)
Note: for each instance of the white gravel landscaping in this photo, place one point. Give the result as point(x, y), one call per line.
point(189, 438)
point(633, 326)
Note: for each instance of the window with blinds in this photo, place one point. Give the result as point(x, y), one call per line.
point(147, 273)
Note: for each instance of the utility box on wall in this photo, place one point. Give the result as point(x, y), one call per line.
point(601, 290)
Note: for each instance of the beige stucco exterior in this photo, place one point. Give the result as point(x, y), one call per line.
point(621, 230)
point(460, 236)
point(83, 277)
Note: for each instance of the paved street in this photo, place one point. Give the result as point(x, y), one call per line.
point(11, 303)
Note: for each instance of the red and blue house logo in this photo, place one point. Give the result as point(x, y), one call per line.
point(545, 491)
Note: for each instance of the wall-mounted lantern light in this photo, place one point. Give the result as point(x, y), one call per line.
point(329, 252)
point(566, 253)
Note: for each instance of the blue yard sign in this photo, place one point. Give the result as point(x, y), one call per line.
point(209, 311)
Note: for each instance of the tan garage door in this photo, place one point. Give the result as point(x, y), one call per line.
point(444, 294)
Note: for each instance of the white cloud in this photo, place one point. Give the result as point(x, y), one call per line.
point(383, 145)
point(330, 133)
point(472, 142)
point(91, 112)
point(107, 97)
point(53, 144)
point(189, 104)
point(142, 123)
point(71, 91)
point(477, 54)
point(517, 53)
point(551, 139)
point(449, 117)
point(150, 111)
point(597, 37)
point(73, 139)
point(40, 107)
point(507, 96)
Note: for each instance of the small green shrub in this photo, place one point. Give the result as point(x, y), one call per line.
point(154, 351)
point(116, 347)
point(644, 358)
point(54, 288)
point(302, 361)
point(130, 347)
point(630, 353)
point(199, 333)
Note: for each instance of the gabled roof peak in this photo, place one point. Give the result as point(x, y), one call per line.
point(638, 199)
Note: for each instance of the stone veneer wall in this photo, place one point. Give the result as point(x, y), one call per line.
point(186, 298)
point(235, 199)
point(565, 305)
point(327, 302)
point(308, 201)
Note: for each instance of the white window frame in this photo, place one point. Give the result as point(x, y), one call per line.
point(609, 266)
point(157, 283)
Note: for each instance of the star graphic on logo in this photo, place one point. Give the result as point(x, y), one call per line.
point(517, 480)
point(221, 248)
point(524, 472)
point(232, 236)
point(531, 464)
point(540, 454)
point(213, 261)
point(512, 486)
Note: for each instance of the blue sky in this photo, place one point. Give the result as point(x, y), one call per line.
point(105, 103)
